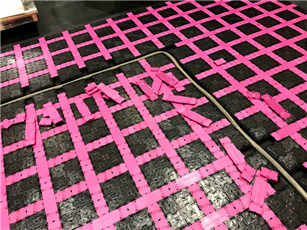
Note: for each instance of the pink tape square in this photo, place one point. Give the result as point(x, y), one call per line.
point(248, 173)
point(52, 113)
point(220, 61)
point(269, 174)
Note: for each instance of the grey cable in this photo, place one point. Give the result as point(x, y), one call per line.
point(208, 95)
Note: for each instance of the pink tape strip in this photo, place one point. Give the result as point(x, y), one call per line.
point(98, 42)
point(269, 174)
point(214, 219)
point(258, 194)
point(50, 206)
point(123, 37)
point(179, 99)
point(147, 90)
point(111, 93)
point(30, 129)
point(21, 66)
point(73, 50)
point(220, 61)
point(4, 217)
point(82, 153)
point(275, 106)
point(167, 79)
point(194, 116)
point(84, 110)
point(52, 113)
point(156, 85)
point(248, 173)
point(236, 156)
point(188, 179)
point(47, 55)
point(253, 95)
point(305, 164)
point(45, 121)
point(286, 131)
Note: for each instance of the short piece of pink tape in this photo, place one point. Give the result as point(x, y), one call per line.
point(111, 93)
point(45, 121)
point(156, 85)
point(269, 174)
point(258, 194)
point(194, 116)
point(236, 156)
point(179, 99)
point(220, 61)
point(305, 164)
point(30, 131)
point(84, 110)
point(52, 113)
point(275, 106)
point(91, 89)
point(253, 95)
point(147, 90)
point(248, 173)
point(167, 79)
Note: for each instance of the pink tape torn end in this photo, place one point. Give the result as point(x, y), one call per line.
point(275, 106)
point(6, 123)
point(52, 113)
point(269, 174)
point(179, 99)
point(194, 116)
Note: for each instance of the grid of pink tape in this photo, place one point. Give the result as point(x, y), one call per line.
point(148, 198)
point(285, 129)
